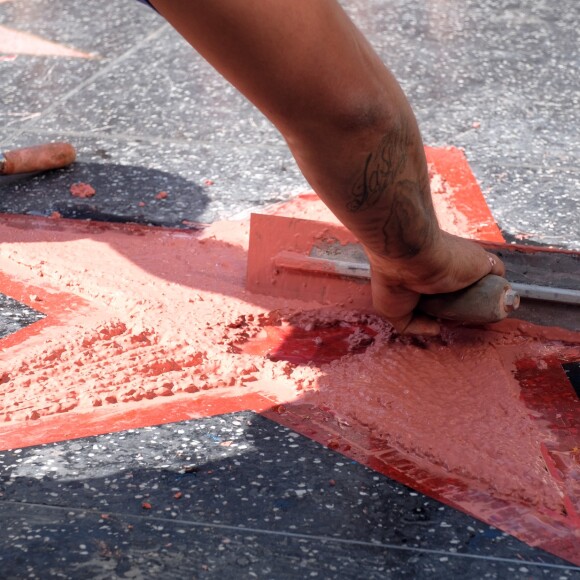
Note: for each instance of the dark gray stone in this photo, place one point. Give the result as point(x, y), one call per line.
point(234, 494)
point(14, 315)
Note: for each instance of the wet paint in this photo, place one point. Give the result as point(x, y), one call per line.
point(316, 344)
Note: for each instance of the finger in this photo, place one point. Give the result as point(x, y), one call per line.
point(395, 303)
point(497, 266)
point(421, 325)
point(390, 300)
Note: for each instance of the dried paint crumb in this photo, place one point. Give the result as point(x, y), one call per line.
point(161, 195)
point(208, 182)
point(82, 190)
point(177, 495)
point(141, 204)
point(146, 505)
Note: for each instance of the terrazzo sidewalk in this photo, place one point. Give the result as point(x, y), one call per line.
point(164, 489)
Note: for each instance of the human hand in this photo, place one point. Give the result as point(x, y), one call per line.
point(451, 264)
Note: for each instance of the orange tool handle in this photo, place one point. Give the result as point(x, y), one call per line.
point(37, 158)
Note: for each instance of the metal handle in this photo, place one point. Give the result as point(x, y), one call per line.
point(295, 261)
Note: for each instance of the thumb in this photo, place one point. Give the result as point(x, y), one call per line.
point(397, 304)
point(392, 301)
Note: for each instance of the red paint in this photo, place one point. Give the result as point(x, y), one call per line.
point(115, 418)
point(466, 196)
point(319, 345)
point(549, 394)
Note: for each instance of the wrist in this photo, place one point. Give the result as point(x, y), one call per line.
point(415, 265)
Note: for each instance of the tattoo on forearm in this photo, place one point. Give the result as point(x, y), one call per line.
point(402, 203)
point(381, 170)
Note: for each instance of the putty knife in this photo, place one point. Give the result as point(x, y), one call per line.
point(313, 260)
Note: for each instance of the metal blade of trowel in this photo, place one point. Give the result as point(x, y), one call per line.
point(313, 260)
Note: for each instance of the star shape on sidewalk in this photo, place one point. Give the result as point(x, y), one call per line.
point(14, 42)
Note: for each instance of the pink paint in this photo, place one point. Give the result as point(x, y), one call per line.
point(157, 315)
point(82, 190)
point(455, 407)
point(16, 42)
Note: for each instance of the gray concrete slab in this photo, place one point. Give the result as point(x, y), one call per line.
point(497, 78)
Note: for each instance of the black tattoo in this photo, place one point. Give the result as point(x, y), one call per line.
point(381, 170)
point(403, 204)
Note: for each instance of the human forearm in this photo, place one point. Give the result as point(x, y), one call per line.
point(377, 185)
point(305, 65)
point(347, 122)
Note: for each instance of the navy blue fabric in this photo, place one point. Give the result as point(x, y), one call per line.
point(146, 2)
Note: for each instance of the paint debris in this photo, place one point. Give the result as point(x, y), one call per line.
point(82, 190)
point(161, 195)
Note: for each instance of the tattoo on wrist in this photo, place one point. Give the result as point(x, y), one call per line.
point(404, 205)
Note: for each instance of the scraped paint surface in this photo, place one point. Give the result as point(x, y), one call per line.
point(145, 318)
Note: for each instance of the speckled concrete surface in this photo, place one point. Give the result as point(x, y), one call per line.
point(204, 182)
point(497, 78)
point(239, 495)
point(14, 315)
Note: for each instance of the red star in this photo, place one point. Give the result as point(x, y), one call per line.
point(107, 357)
